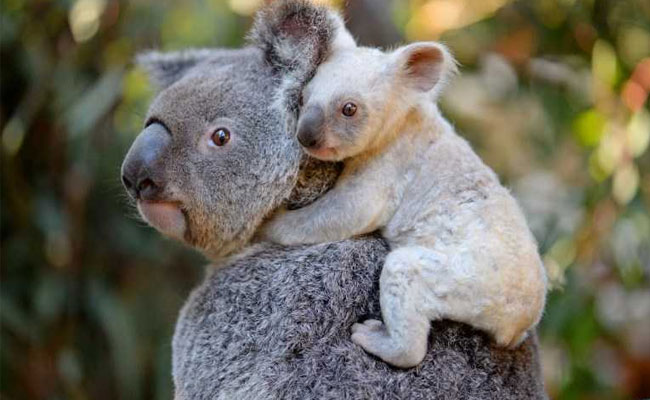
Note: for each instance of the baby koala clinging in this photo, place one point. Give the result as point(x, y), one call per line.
point(460, 246)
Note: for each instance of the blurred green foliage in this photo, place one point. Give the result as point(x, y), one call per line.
point(553, 95)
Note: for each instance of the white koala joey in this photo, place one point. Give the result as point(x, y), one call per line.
point(460, 246)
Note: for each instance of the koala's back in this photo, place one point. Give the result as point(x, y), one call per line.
point(275, 324)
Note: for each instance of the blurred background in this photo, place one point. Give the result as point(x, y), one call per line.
point(553, 95)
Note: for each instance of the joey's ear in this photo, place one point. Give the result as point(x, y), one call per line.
point(166, 68)
point(296, 35)
point(424, 66)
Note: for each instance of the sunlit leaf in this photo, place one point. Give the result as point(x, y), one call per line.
point(603, 62)
point(638, 132)
point(626, 183)
point(94, 104)
point(589, 127)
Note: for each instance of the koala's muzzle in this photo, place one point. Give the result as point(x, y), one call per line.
point(143, 178)
point(142, 167)
point(310, 127)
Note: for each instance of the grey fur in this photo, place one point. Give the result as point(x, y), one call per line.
point(275, 324)
point(225, 193)
point(272, 322)
point(166, 68)
point(293, 35)
point(202, 90)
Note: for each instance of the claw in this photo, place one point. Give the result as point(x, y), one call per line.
point(373, 324)
point(373, 337)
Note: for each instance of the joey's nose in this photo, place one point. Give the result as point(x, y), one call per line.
point(142, 167)
point(310, 127)
point(308, 139)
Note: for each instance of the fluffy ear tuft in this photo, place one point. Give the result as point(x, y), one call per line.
point(166, 68)
point(296, 35)
point(424, 66)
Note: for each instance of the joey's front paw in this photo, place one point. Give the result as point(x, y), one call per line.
point(269, 233)
point(277, 230)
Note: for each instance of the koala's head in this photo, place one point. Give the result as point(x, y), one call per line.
point(216, 154)
point(359, 96)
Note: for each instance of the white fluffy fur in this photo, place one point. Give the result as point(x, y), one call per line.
point(461, 248)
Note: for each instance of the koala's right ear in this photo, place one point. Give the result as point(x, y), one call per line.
point(424, 66)
point(296, 35)
point(166, 68)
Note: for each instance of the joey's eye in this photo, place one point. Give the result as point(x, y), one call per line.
point(220, 136)
point(349, 109)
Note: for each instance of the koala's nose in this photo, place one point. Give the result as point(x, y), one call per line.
point(141, 168)
point(310, 126)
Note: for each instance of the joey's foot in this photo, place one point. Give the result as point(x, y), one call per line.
point(373, 337)
point(369, 324)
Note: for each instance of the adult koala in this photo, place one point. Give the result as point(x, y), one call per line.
point(216, 157)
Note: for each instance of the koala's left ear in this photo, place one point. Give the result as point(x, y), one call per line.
point(296, 35)
point(424, 66)
point(166, 68)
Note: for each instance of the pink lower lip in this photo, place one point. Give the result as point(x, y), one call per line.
point(323, 152)
point(166, 217)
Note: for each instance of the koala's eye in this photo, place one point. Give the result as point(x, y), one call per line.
point(349, 109)
point(300, 100)
point(220, 136)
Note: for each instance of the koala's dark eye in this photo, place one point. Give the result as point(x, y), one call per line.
point(349, 109)
point(300, 100)
point(220, 136)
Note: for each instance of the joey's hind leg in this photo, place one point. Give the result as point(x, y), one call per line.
point(402, 339)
